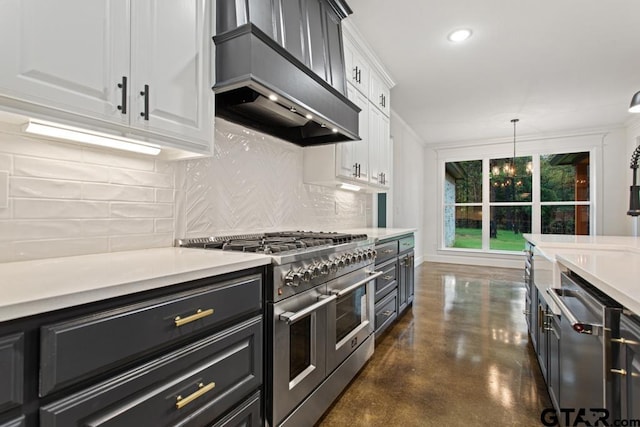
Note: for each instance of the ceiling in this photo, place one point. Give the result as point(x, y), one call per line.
point(558, 66)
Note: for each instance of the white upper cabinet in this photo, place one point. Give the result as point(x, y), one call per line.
point(143, 66)
point(66, 54)
point(356, 68)
point(379, 94)
point(353, 156)
point(379, 149)
point(170, 81)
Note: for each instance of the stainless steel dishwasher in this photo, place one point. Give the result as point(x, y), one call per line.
point(588, 321)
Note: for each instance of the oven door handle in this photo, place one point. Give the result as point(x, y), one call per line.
point(576, 324)
point(372, 275)
point(290, 317)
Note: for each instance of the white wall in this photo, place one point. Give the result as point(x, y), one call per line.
point(67, 199)
point(408, 196)
point(611, 191)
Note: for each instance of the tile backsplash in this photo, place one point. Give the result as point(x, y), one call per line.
point(67, 199)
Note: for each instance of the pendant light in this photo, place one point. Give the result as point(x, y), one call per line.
point(634, 199)
point(512, 168)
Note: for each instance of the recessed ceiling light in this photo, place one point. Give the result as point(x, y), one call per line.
point(459, 35)
point(273, 97)
point(309, 116)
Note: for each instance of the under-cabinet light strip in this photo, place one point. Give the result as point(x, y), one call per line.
point(70, 133)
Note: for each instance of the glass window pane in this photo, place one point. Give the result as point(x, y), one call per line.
point(565, 220)
point(510, 183)
point(507, 225)
point(463, 182)
point(564, 177)
point(465, 229)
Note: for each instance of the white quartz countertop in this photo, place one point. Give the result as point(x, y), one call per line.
point(381, 233)
point(611, 263)
point(38, 286)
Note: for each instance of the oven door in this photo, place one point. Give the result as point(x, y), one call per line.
point(299, 348)
point(350, 315)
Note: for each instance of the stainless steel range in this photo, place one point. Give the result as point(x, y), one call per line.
point(319, 311)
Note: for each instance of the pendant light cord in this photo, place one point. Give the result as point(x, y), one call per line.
point(513, 160)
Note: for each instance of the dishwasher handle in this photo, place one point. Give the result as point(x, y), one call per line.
point(577, 325)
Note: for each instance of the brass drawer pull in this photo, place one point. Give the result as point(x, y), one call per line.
point(388, 277)
point(388, 251)
point(199, 315)
point(625, 341)
point(619, 372)
point(387, 313)
point(203, 389)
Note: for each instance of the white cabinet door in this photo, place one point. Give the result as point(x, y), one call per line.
point(170, 58)
point(352, 156)
point(379, 148)
point(66, 54)
point(379, 94)
point(356, 68)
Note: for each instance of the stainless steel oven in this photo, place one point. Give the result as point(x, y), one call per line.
point(300, 337)
point(350, 314)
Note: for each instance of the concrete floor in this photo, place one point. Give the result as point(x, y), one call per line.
point(459, 357)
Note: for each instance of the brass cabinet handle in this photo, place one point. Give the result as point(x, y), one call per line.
point(625, 341)
point(199, 315)
point(388, 251)
point(387, 313)
point(619, 371)
point(203, 389)
point(388, 277)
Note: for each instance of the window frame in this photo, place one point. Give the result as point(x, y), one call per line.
point(531, 148)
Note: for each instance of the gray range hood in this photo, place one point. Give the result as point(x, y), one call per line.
point(262, 85)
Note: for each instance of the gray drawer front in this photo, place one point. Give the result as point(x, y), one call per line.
point(388, 280)
point(11, 371)
point(77, 349)
point(246, 415)
point(386, 251)
point(386, 312)
point(406, 243)
point(18, 422)
point(147, 396)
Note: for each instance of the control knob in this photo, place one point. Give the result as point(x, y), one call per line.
point(347, 260)
point(306, 275)
point(334, 266)
point(354, 258)
point(341, 263)
point(359, 256)
point(324, 268)
point(292, 279)
point(315, 271)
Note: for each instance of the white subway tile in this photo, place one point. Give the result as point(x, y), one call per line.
point(109, 227)
point(141, 210)
point(38, 229)
point(91, 191)
point(45, 168)
point(6, 163)
point(39, 147)
point(36, 249)
point(147, 179)
point(119, 159)
point(69, 209)
point(7, 213)
point(164, 225)
point(141, 241)
point(164, 196)
point(44, 188)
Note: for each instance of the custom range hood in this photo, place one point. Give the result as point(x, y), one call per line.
point(267, 85)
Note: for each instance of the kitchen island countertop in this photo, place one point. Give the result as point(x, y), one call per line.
point(611, 263)
point(38, 286)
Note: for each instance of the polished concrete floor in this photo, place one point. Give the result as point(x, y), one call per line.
point(459, 357)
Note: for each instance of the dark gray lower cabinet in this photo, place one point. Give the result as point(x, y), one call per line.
point(18, 422)
point(11, 371)
point(629, 368)
point(209, 376)
point(553, 358)
point(541, 325)
point(184, 355)
point(395, 288)
point(386, 312)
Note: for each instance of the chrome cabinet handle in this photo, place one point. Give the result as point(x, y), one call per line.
point(292, 317)
point(123, 104)
point(145, 93)
point(373, 275)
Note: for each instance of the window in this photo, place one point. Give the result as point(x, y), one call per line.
point(463, 205)
point(561, 205)
point(564, 193)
